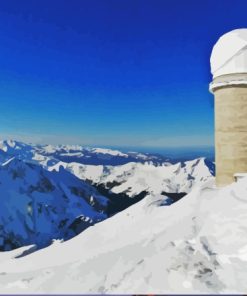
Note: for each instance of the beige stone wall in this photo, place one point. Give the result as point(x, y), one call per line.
point(230, 133)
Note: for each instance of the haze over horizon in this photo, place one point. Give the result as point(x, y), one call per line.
point(110, 73)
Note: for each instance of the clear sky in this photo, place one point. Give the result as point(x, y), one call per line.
point(111, 72)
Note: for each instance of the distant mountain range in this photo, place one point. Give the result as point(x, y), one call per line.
point(74, 153)
point(55, 192)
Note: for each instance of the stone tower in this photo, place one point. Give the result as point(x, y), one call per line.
point(229, 86)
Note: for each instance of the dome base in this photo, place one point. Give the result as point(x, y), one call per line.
point(229, 80)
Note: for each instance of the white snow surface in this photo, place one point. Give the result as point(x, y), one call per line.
point(197, 245)
point(229, 54)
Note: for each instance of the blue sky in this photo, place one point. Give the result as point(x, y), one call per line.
point(110, 72)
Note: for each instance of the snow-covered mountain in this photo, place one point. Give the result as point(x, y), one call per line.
point(126, 184)
point(197, 245)
point(134, 178)
point(122, 184)
point(38, 206)
point(43, 197)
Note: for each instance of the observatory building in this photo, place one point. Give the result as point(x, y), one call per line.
point(229, 86)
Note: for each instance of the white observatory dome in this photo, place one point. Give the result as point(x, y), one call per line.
point(229, 55)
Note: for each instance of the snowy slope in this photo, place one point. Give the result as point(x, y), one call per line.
point(38, 206)
point(197, 245)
